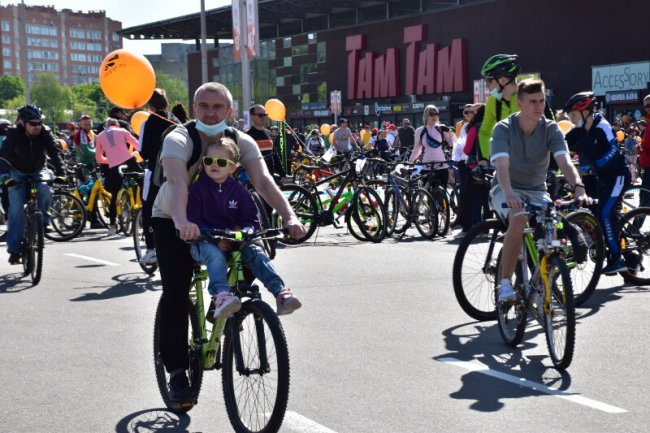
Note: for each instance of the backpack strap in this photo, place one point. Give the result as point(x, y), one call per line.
point(196, 142)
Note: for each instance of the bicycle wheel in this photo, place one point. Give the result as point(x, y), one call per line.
point(425, 213)
point(67, 217)
point(304, 205)
point(394, 218)
point(369, 213)
point(123, 212)
point(635, 245)
point(140, 245)
point(265, 223)
point(255, 372)
point(475, 268)
point(560, 314)
point(195, 372)
point(453, 196)
point(585, 275)
point(635, 196)
point(397, 211)
point(511, 318)
point(442, 208)
point(102, 202)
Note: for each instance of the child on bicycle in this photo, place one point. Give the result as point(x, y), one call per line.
point(217, 201)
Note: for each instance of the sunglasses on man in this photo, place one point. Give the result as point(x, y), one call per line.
point(221, 162)
point(261, 115)
point(34, 123)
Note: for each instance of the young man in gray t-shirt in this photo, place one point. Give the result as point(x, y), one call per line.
point(520, 150)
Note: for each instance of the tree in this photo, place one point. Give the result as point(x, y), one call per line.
point(52, 97)
point(11, 86)
point(88, 98)
point(176, 89)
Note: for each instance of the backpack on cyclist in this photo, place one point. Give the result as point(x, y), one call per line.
point(158, 176)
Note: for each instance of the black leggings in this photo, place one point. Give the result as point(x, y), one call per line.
point(114, 183)
point(147, 208)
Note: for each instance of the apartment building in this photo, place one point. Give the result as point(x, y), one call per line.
point(70, 44)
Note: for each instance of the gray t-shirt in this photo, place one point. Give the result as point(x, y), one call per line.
point(529, 155)
point(178, 144)
point(343, 137)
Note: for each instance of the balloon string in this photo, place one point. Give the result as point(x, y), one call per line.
point(163, 118)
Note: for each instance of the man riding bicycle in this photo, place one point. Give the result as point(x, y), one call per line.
point(594, 142)
point(25, 148)
point(520, 149)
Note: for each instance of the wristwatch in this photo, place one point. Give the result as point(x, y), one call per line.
point(578, 184)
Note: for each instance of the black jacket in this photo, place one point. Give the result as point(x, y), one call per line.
point(27, 154)
point(151, 136)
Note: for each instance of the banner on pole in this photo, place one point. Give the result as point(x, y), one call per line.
point(236, 31)
point(252, 24)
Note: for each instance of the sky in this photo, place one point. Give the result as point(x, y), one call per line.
point(133, 13)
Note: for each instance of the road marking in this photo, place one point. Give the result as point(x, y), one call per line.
point(92, 259)
point(299, 423)
point(483, 369)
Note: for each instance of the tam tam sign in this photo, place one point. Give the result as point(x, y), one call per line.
point(429, 68)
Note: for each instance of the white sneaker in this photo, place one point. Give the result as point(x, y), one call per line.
point(225, 305)
point(112, 230)
point(506, 293)
point(149, 258)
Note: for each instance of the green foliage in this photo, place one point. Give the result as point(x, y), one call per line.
point(52, 97)
point(176, 89)
point(88, 98)
point(11, 86)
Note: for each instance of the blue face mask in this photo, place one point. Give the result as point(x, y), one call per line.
point(496, 94)
point(211, 130)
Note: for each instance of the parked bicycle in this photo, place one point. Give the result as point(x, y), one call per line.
point(253, 356)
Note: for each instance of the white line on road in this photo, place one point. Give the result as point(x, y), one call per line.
point(299, 423)
point(483, 369)
point(92, 259)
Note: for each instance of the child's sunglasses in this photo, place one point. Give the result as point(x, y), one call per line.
point(221, 162)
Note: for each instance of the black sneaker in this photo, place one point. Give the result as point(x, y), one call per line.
point(179, 387)
point(14, 259)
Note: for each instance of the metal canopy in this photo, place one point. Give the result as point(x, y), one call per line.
point(284, 18)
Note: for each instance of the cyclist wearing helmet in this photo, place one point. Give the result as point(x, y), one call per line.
point(25, 148)
point(499, 72)
point(594, 142)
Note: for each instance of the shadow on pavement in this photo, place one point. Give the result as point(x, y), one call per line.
point(125, 285)
point(153, 420)
point(480, 341)
point(15, 282)
point(601, 297)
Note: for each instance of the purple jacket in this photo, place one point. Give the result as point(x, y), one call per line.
point(225, 206)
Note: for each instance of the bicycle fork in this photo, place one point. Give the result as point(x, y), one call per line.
point(235, 331)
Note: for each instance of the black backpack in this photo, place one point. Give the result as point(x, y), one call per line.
point(158, 177)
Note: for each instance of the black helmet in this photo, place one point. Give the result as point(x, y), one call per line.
point(30, 112)
point(581, 101)
point(501, 65)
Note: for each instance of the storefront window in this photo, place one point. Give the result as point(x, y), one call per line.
point(321, 52)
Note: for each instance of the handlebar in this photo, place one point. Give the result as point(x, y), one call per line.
point(240, 235)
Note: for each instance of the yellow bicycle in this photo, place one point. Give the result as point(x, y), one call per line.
point(129, 200)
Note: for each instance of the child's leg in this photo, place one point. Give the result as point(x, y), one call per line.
point(215, 260)
point(253, 258)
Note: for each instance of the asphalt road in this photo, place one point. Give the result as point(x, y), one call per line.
point(380, 345)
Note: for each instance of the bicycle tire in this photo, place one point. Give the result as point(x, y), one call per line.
point(304, 206)
point(37, 248)
point(425, 213)
point(251, 413)
point(635, 239)
point(195, 372)
point(474, 273)
point(124, 213)
point(265, 223)
point(453, 196)
point(511, 318)
point(369, 213)
point(632, 198)
point(393, 205)
point(442, 208)
point(560, 325)
point(67, 217)
point(26, 251)
point(400, 214)
point(585, 276)
point(139, 244)
point(353, 227)
point(102, 202)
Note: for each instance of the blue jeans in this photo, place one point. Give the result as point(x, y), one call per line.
point(253, 258)
point(16, 206)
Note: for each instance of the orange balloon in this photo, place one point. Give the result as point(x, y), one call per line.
point(137, 120)
point(276, 110)
point(325, 129)
point(620, 136)
point(127, 79)
point(565, 126)
point(138, 158)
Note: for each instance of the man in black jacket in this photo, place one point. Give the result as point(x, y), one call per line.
point(150, 144)
point(25, 149)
